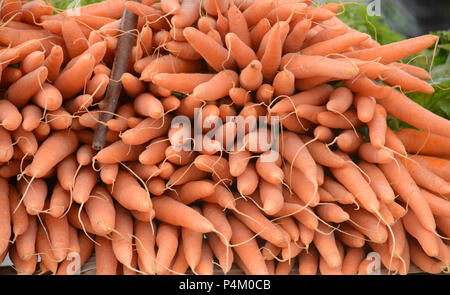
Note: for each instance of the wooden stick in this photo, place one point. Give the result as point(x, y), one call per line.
point(120, 66)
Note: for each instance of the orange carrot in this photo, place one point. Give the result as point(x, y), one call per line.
point(308, 262)
point(146, 130)
point(404, 109)
point(190, 218)
point(238, 24)
point(166, 235)
point(436, 165)
point(248, 248)
point(83, 68)
point(21, 91)
point(303, 66)
point(59, 201)
point(424, 142)
point(213, 53)
point(395, 51)
point(258, 32)
point(259, 224)
point(105, 261)
point(58, 230)
point(169, 64)
point(128, 192)
point(402, 182)
point(251, 76)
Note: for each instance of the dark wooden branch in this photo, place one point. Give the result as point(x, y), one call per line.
point(120, 66)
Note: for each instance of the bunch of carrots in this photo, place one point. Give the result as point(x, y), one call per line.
point(341, 186)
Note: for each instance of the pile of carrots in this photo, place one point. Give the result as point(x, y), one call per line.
point(343, 184)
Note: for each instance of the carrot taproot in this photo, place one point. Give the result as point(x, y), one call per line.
point(146, 130)
point(48, 97)
point(58, 230)
point(186, 82)
point(147, 105)
point(192, 245)
point(308, 262)
point(128, 192)
point(332, 212)
point(272, 56)
point(258, 32)
point(251, 76)
point(412, 70)
point(185, 174)
point(257, 11)
point(187, 15)
point(435, 164)
point(34, 10)
point(59, 119)
point(350, 236)
point(315, 96)
point(105, 260)
point(247, 181)
point(237, 23)
point(424, 142)
point(213, 53)
point(122, 236)
point(269, 170)
point(427, 179)
point(25, 243)
point(22, 267)
point(21, 91)
point(32, 61)
point(259, 224)
point(166, 235)
point(19, 216)
point(86, 249)
point(222, 196)
point(368, 224)
point(271, 196)
point(438, 205)
point(352, 260)
point(169, 64)
point(294, 150)
point(5, 216)
point(9, 76)
point(216, 165)
point(59, 201)
point(395, 51)
point(100, 210)
point(371, 154)
point(402, 108)
point(349, 141)
point(6, 147)
point(307, 66)
point(335, 45)
point(83, 68)
point(145, 245)
point(402, 182)
point(190, 219)
point(325, 244)
point(34, 198)
point(378, 182)
point(340, 100)
point(248, 252)
point(221, 252)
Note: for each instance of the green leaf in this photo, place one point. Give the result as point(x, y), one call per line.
point(444, 105)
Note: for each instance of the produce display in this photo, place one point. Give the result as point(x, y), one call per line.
point(249, 135)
